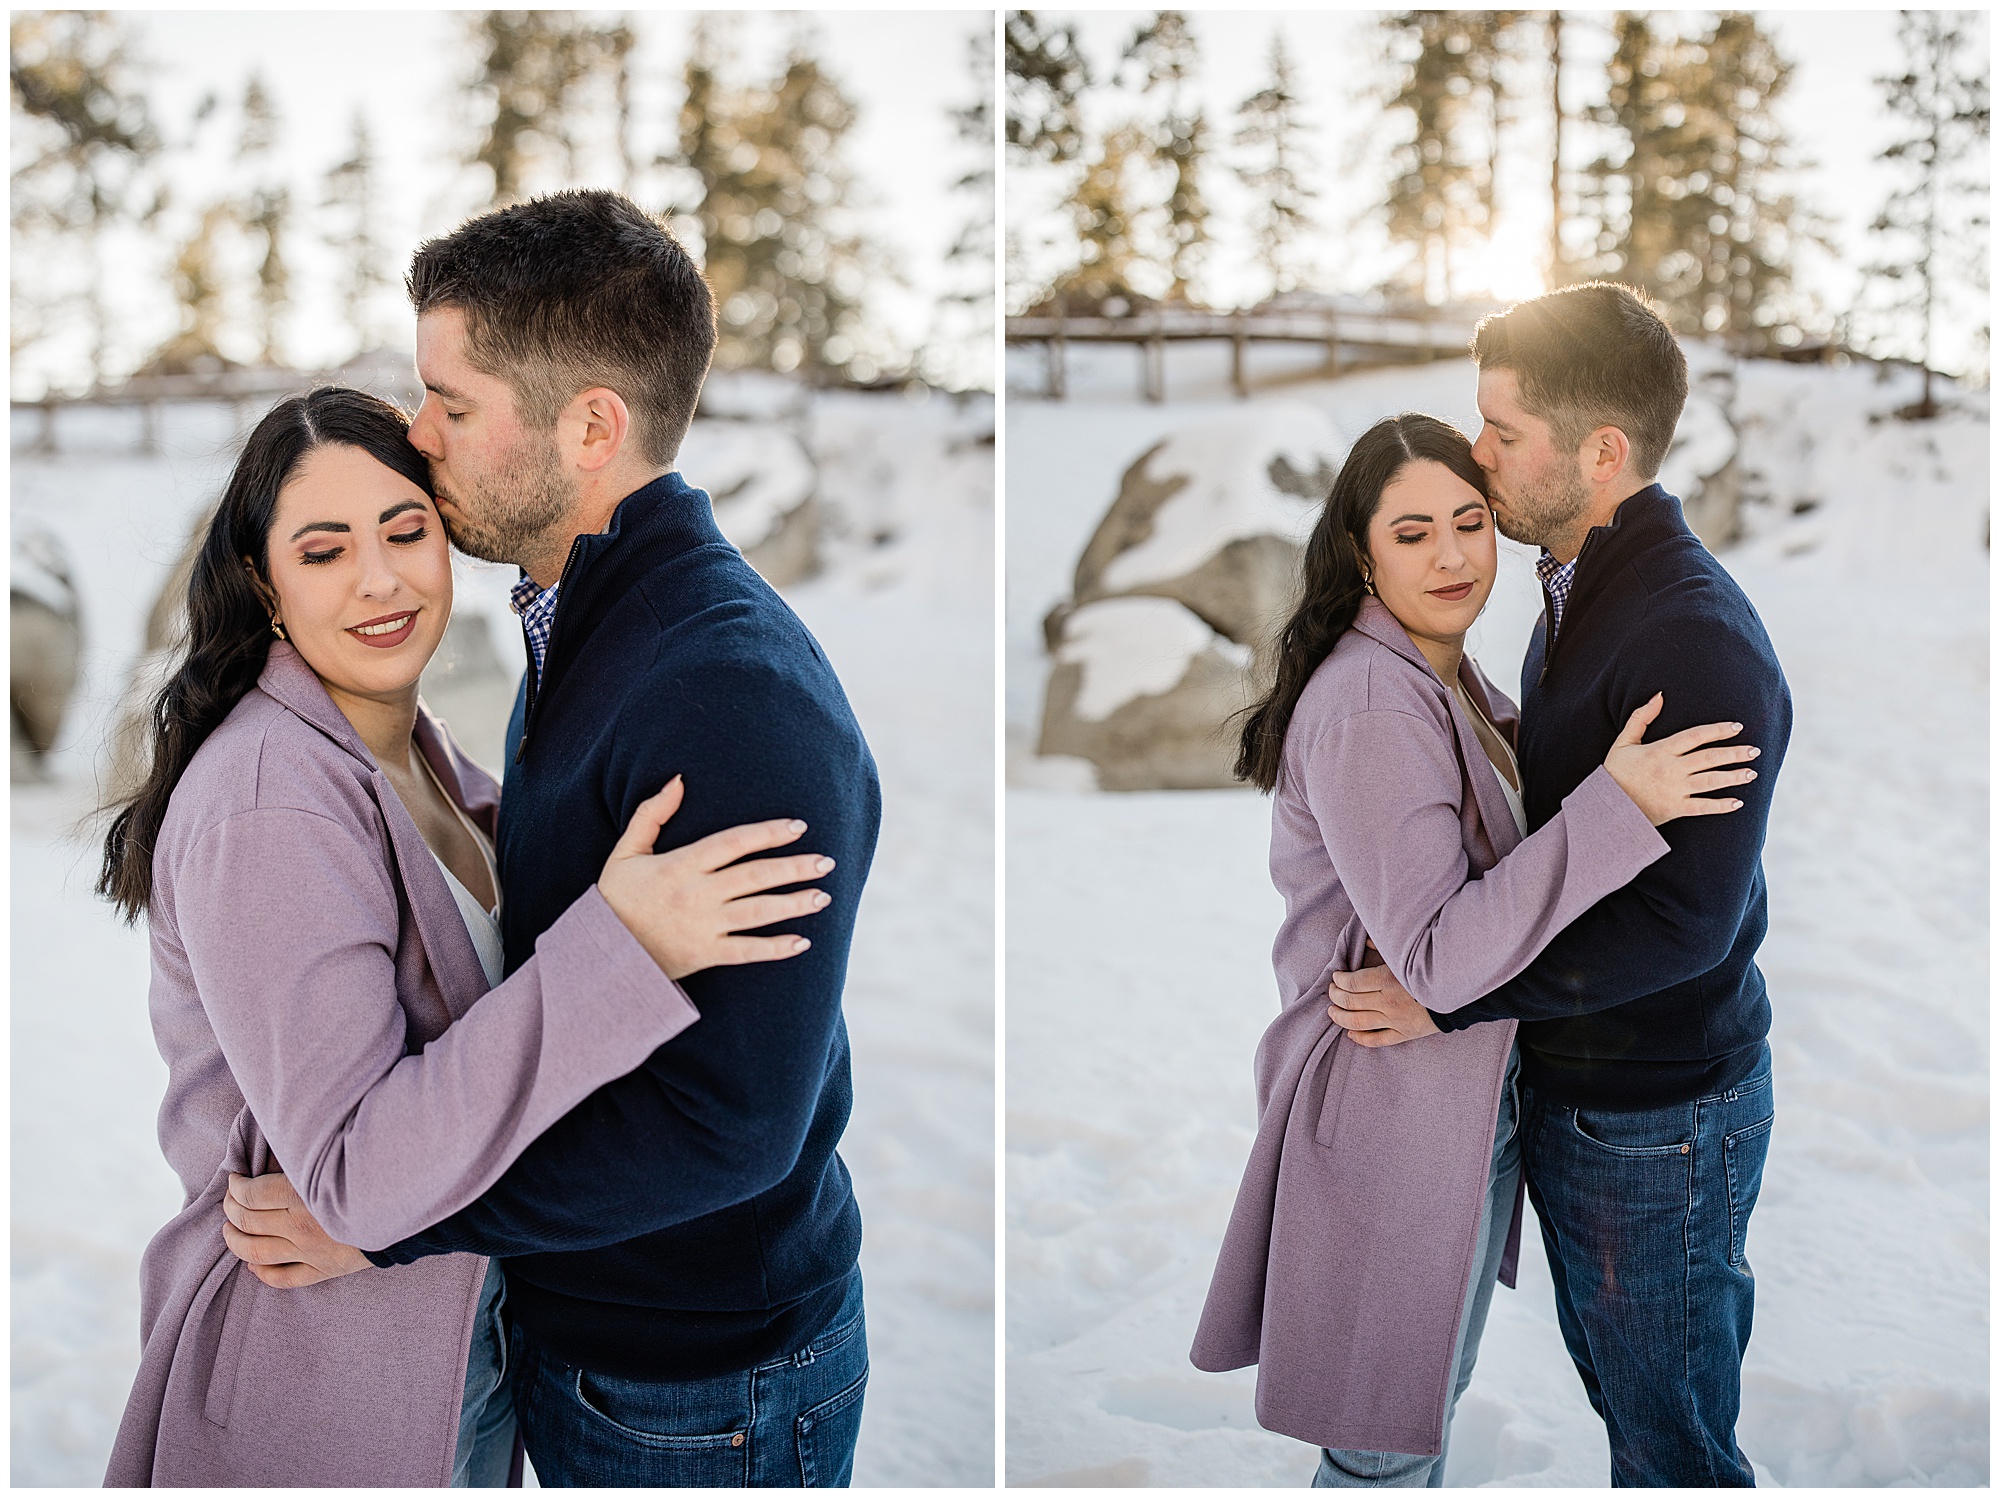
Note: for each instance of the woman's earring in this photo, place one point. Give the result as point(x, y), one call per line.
point(277, 628)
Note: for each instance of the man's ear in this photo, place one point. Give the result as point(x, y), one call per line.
point(1606, 454)
point(594, 428)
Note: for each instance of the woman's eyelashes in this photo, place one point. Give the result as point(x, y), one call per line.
point(406, 538)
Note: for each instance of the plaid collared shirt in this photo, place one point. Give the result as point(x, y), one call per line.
point(1556, 577)
point(537, 608)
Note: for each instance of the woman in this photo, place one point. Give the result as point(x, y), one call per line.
point(1382, 1196)
point(315, 859)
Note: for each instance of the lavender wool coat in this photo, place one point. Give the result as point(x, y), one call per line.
point(319, 1005)
point(1345, 1265)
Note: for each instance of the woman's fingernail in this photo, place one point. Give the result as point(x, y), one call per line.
point(1749, 774)
point(823, 866)
point(796, 825)
point(799, 944)
point(821, 899)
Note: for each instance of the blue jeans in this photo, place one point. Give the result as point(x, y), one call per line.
point(788, 1423)
point(1644, 1216)
point(486, 1418)
point(1396, 1469)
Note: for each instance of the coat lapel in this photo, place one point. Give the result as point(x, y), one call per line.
point(454, 961)
point(1474, 768)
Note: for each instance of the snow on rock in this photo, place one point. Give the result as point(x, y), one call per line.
point(1142, 691)
point(1200, 551)
point(1700, 466)
point(1222, 482)
point(761, 480)
point(1131, 647)
point(1139, 929)
point(906, 621)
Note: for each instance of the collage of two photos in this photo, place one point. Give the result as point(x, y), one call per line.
point(1358, 962)
point(965, 748)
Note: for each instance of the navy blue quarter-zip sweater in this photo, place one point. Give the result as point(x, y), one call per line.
point(691, 1218)
point(1652, 996)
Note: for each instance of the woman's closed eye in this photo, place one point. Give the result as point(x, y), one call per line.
point(402, 538)
point(1411, 538)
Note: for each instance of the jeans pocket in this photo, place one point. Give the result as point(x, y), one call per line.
point(827, 1434)
point(1654, 1133)
point(646, 1415)
point(1743, 1155)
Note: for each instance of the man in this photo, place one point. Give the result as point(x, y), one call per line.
point(1646, 1090)
point(680, 1250)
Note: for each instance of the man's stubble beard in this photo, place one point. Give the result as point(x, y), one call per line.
point(1545, 514)
point(510, 515)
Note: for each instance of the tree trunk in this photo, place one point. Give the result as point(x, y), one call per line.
point(1555, 148)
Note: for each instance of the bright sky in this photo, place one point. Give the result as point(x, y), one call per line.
point(1832, 113)
point(903, 70)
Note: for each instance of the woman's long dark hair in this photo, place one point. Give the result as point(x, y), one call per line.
point(1334, 575)
point(228, 621)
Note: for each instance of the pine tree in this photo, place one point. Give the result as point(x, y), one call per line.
point(1557, 260)
point(1046, 79)
point(1443, 179)
point(264, 212)
point(964, 324)
point(1689, 203)
point(1106, 207)
point(1934, 225)
point(780, 249)
point(84, 139)
point(349, 195)
point(1166, 56)
point(1276, 167)
point(538, 69)
point(201, 282)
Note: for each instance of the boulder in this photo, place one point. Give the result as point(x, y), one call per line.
point(468, 687)
point(765, 489)
point(1215, 516)
point(166, 629)
point(1179, 596)
point(45, 650)
point(1143, 689)
point(1701, 465)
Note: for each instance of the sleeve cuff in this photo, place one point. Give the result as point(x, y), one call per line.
point(1618, 816)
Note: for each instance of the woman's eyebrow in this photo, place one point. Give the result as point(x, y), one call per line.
point(344, 528)
point(1471, 504)
point(1425, 519)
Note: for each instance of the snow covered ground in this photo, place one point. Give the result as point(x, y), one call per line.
point(1139, 928)
point(904, 611)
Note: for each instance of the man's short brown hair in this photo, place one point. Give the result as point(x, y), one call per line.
point(572, 291)
point(1589, 356)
